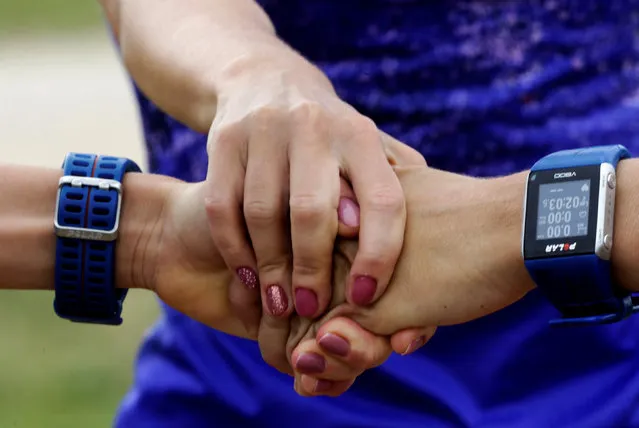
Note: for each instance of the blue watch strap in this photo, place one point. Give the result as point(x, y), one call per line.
point(581, 286)
point(582, 157)
point(87, 220)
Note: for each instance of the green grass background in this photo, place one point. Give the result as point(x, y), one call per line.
point(54, 373)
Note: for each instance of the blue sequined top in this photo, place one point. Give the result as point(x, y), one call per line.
point(480, 87)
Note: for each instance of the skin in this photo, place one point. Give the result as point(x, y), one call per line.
point(445, 278)
point(279, 140)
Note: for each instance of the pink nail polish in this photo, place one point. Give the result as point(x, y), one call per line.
point(276, 300)
point(305, 302)
point(363, 291)
point(415, 345)
point(248, 277)
point(335, 344)
point(348, 212)
point(310, 363)
point(322, 385)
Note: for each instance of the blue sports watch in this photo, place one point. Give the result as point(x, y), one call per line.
point(567, 234)
point(86, 224)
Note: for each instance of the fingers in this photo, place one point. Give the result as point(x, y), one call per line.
point(265, 212)
point(341, 351)
point(314, 199)
point(308, 386)
point(407, 341)
point(382, 215)
point(223, 203)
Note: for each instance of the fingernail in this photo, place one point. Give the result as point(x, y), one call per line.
point(322, 385)
point(310, 363)
point(248, 277)
point(415, 345)
point(335, 344)
point(364, 288)
point(348, 212)
point(306, 302)
point(276, 300)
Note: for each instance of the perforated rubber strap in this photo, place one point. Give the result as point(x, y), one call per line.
point(87, 218)
point(581, 287)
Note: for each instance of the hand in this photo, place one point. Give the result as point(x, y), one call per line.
point(181, 263)
point(462, 252)
point(442, 277)
point(278, 145)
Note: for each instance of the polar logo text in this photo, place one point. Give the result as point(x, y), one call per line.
point(560, 248)
point(565, 174)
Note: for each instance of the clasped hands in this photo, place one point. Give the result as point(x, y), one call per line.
point(460, 261)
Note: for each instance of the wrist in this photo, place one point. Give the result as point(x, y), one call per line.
point(144, 200)
point(504, 216)
point(272, 61)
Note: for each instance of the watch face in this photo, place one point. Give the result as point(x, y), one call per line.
point(561, 212)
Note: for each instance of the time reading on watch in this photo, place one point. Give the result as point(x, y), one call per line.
point(563, 209)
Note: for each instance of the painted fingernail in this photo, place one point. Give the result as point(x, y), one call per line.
point(310, 363)
point(415, 345)
point(322, 385)
point(276, 300)
point(248, 277)
point(348, 212)
point(306, 302)
point(335, 344)
point(364, 288)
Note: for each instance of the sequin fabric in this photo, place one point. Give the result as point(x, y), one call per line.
point(482, 87)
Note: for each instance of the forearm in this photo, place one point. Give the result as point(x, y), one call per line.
point(27, 240)
point(178, 52)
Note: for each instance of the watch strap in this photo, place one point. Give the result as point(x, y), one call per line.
point(595, 155)
point(87, 221)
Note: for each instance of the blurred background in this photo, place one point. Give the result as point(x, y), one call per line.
point(63, 89)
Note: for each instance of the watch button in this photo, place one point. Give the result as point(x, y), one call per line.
point(611, 180)
point(607, 241)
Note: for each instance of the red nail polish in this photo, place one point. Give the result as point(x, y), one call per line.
point(363, 291)
point(248, 277)
point(310, 363)
point(305, 302)
point(335, 344)
point(322, 385)
point(276, 300)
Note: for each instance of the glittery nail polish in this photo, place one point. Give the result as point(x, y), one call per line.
point(276, 300)
point(248, 277)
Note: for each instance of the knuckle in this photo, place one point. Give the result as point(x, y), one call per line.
point(362, 129)
point(308, 112)
point(385, 198)
point(265, 117)
point(308, 208)
point(275, 264)
point(307, 266)
point(219, 205)
point(261, 211)
point(225, 134)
